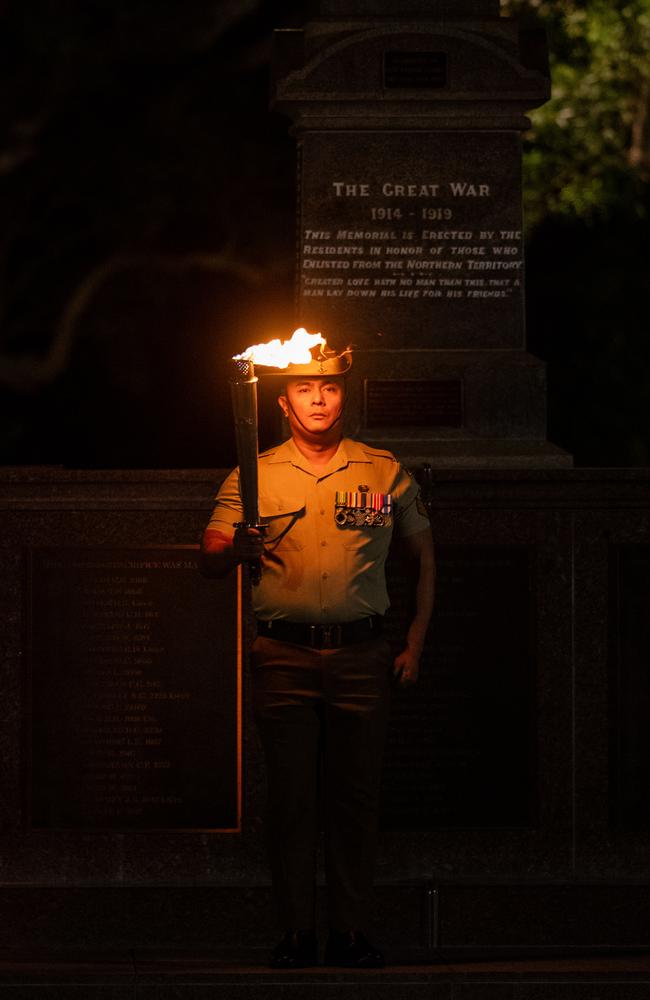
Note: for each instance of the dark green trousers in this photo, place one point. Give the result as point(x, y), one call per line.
point(322, 718)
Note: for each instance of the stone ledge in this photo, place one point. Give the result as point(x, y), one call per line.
point(189, 976)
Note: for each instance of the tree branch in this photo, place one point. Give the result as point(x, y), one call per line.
point(30, 371)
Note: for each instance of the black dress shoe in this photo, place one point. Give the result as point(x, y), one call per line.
point(296, 950)
point(352, 950)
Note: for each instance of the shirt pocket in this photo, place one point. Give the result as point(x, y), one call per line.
point(367, 544)
point(284, 519)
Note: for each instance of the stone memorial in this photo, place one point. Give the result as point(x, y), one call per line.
point(515, 807)
point(408, 119)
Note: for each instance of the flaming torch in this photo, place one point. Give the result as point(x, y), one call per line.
point(243, 388)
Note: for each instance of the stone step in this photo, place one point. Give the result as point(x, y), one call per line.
point(183, 976)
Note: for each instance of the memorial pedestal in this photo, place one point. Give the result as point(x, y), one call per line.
point(514, 796)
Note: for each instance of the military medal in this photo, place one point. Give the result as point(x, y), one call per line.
point(362, 509)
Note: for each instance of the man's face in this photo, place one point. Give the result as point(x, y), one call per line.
point(313, 405)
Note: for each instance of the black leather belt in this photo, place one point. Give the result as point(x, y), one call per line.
point(328, 636)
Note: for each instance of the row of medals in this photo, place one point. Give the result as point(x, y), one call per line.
point(355, 509)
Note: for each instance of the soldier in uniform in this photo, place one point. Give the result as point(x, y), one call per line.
point(321, 670)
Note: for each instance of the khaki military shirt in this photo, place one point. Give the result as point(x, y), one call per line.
point(316, 570)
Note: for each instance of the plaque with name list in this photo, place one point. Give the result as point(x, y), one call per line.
point(135, 692)
point(413, 403)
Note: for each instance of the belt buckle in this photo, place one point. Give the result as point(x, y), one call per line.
point(332, 635)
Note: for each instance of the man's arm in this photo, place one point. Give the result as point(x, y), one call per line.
point(220, 553)
point(419, 547)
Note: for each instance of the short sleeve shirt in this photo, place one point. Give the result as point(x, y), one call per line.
point(315, 569)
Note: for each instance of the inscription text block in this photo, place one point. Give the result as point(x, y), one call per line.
point(134, 691)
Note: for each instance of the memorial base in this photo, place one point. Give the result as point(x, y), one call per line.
point(515, 818)
point(416, 923)
point(454, 409)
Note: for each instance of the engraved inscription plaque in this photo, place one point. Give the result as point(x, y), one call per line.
point(419, 70)
point(629, 626)
point(413, 403)
point(412, 239)
point(135, 691)
point(461, 749)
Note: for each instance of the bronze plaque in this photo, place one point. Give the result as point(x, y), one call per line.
point(413, 403)
point(415, 70)
point(135, 691)
point(461, 747)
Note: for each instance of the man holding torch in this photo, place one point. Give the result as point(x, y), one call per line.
point(321, 670)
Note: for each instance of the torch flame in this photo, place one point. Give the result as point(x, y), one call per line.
point(281, 353)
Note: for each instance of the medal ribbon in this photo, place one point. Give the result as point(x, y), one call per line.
point(354, 500)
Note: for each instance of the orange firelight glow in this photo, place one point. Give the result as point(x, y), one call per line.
point(281, 353)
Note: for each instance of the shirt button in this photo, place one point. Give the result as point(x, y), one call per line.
point(324, 608)
point(325, 575)
point(323, 543)
point(322, 512)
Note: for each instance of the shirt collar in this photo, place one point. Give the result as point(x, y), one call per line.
point(348, 451)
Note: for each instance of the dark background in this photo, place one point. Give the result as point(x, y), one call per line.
point(148, 205)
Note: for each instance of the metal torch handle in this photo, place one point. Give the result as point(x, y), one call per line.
point(243, 388)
